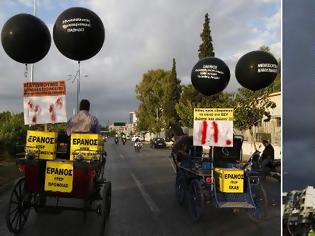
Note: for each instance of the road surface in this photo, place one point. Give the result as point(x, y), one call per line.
point(143, 203)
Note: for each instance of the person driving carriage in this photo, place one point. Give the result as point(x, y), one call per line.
point(267, 156)
point(83, 121)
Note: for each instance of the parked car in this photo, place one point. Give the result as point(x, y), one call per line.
point(158, 143)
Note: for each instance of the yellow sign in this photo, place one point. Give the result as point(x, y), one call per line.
point(211, 114)
point(230, 180)
point(42, 143)
point(59, 176)
point(85, 144)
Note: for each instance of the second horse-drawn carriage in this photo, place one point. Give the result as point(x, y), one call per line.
point(219, 179)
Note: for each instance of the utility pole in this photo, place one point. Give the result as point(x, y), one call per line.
point(32, 66)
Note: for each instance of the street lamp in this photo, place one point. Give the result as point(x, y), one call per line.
point(77, 78)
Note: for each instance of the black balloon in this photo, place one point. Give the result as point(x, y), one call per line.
point(256, 70)
point(210, 76)
point(25, 38)
point(79, 33)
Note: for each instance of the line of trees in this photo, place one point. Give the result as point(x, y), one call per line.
point(163, 101)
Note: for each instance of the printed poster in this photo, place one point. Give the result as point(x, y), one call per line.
point(44, 102)
point(213, 127)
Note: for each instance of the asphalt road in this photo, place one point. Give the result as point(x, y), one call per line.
point(143, 203)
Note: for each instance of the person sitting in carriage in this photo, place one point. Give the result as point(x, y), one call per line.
point(83, 121)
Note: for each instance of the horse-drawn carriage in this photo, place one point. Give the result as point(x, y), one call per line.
point(54, 167)
point(219, 179)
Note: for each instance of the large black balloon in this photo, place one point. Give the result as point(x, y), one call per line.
point(256, 70)
point(210, 76)
point(79, 33)
point(25, 38)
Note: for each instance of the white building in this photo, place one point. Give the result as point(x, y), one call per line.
point(132, 118)
point(270, 130)
point(298, 205)
point(307, 201)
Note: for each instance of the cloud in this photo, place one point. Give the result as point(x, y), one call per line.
point(298, 70)
point(298, 164)
point(143, 35)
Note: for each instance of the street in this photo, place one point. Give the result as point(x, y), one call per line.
point(144, 203)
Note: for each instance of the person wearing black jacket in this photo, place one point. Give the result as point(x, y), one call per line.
point(267, 156)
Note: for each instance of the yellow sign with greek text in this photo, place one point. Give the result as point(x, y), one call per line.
point(210, 114)
point(42, 144)
point(87, 145)
point(59, 176)
point(230, 180)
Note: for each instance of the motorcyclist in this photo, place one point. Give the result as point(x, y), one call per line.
point(267, 156)
point(116, 138)
point(138, 141)
point(123, 137)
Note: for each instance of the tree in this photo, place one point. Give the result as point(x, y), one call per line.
point(172, 92)
point(149, 94)
point(191, 99)
point(12, 131)
point(251, 107)
point(206, 47)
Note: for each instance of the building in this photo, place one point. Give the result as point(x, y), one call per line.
point(270, 130)
point(118, 127)
point(132, 118)
point(298, 206)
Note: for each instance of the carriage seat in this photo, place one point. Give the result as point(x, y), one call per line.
point(228, 157)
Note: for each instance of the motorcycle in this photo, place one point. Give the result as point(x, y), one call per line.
point(116, 140)
point(273, 169)
point(138, 146)
point(123, 141)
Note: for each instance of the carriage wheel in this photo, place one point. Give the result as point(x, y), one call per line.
point(196, 200)
point(19, 207)
point(106, 204)
point(259, 213)
point(180, 187)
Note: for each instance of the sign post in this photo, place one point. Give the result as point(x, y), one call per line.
point(213, 127)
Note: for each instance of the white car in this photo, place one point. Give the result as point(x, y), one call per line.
point(134, 138)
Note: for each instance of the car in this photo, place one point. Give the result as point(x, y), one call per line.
point(158, 143)
point(152, 141)
point(169, 143)
point(133, 139)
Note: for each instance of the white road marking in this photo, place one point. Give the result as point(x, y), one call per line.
point(151, 204)
point(122, 156)
point(172, 164)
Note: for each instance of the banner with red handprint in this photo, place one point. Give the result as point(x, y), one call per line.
point(44, 102)
point(213, 127)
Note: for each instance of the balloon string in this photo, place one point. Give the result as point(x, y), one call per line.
point(26, 71)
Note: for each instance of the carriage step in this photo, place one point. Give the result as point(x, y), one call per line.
point(235, 205)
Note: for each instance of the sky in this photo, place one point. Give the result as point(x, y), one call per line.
point(140, 35)
point(298, 95)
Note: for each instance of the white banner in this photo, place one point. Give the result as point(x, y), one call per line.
point(44, 102)
point(213, 127)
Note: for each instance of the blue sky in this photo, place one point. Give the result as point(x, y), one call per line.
point(142, 35)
